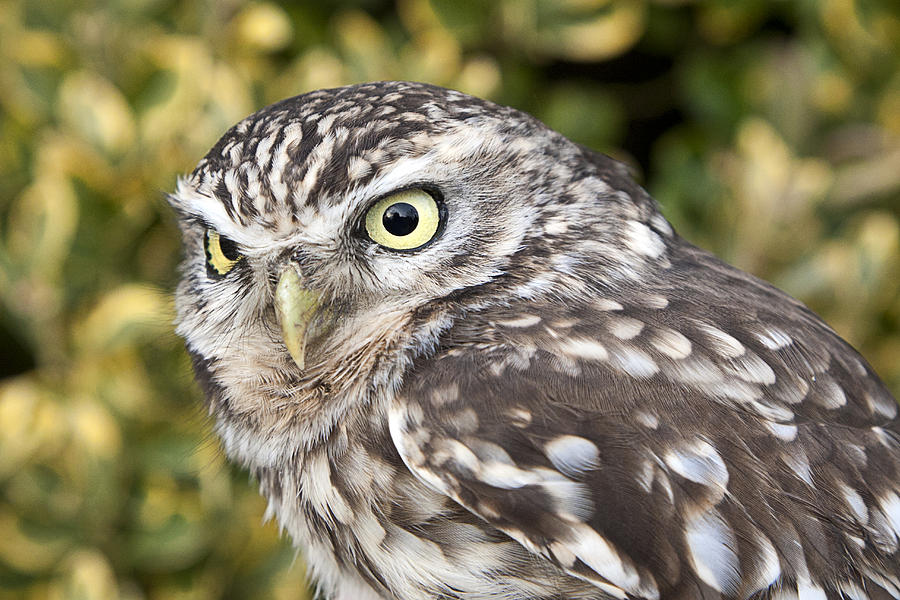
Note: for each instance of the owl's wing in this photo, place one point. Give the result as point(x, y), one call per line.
point(529, 467)
point(667, 456)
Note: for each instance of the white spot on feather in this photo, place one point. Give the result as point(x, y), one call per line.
point(740, 391)
point(505, 476)
point(663, 480)
point(647, 419)
point(890, 505)
point(645, 475)
point(767, 566)
point(315, 481)
point(797, 462)
point(807, 590)
point(661, 225)
point(358, 167)
point(563, 323)
point(696, 370)
point(488, 452)
point(602, 557)
point(625, 328)
point(783, 431)
point(656, 301)
point(883, 535)
point(855, 502)
point(751, 368)
point(556, 226)
point(643, 240)
point(446, 394)
point(793, 390)
point(572, 499)
point(584, 348)
point(773, 338)
point(783, 593)
point(699, 462)
point(882, 404)
point(772, 411)
point(263, 147)
point(461, 453)
point(521, 417)
point(721, 342)
point(712, 549)
point(522, 321)
point(830, 395)
point(572, 454)
point(606, 304)
point(368, 530)
point(562, 553)
point(635, 362)
point(883, 438)
point(671, 343)
point(852, 591)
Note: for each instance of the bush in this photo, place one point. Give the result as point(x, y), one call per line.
point(770, 132)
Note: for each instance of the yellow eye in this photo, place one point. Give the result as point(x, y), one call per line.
point(221, 254)
point(404, 221)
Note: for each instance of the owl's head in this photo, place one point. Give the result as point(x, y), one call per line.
point(330, 233)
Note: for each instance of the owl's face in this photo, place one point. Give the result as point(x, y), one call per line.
point(319, 230)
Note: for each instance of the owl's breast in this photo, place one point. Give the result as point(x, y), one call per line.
point(363, 519)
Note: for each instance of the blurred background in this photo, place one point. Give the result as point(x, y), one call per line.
point(769, 131)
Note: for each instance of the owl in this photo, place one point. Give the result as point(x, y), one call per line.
point(466, 358)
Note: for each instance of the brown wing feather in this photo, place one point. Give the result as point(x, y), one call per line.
point(652, 445)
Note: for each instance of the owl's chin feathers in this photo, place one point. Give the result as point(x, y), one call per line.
point(268, 411)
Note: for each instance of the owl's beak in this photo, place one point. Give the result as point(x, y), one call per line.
point(296, 307)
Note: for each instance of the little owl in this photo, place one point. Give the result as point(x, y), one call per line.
point(466, 358)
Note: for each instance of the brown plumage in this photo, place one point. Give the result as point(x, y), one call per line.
point(517, 381)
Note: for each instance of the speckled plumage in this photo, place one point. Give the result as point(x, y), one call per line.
point(557, 397)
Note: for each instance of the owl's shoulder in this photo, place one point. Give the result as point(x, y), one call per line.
point(697, 430)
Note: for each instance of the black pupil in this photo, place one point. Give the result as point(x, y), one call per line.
point(400, 219)
point(229, 248)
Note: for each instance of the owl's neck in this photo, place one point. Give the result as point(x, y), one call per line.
point(353, 387)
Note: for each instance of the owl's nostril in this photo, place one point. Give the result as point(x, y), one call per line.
point(287, 259)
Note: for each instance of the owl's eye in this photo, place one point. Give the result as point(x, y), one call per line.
point(404, 221)
point(221, 253)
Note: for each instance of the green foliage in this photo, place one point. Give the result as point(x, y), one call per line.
point(769, 131)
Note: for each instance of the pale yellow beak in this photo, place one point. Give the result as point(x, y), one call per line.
point(296, 308)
